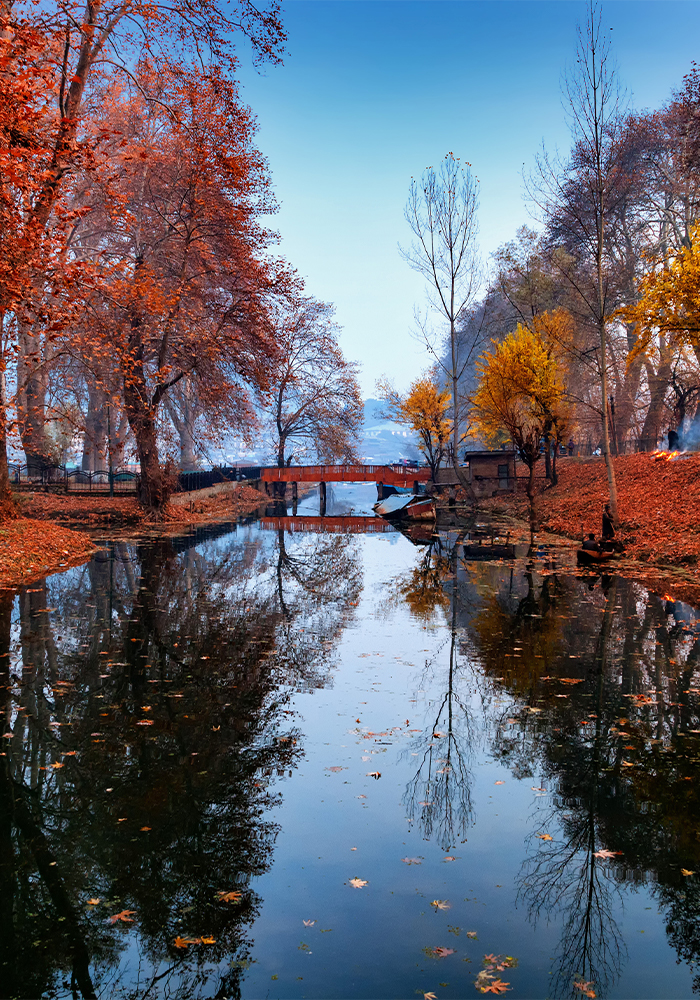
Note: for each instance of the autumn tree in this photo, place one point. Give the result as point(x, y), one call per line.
point(424, 408)
point(315, 404)
point(54, 60)
point(189, 289)
point(442, 214)
point(520, 391)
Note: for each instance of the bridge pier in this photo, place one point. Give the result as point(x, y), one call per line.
point(322, 498)
point(295, 492)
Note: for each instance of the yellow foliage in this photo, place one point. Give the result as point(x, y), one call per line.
point(520, 390)
point(670, 301)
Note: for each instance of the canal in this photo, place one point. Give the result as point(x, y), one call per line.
point(260, 762)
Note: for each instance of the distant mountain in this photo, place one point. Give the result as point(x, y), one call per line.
point(385, 441)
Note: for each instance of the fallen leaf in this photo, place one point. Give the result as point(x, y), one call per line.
point(181, 942)
point(309, 923)
point(544, 836)
point(441, 904)
point(471, 934)
point(124, 916)
point(92, 902)
point(357, 883)
point(604, 853)
point(686, 871)
point(374, 774)
point(335, 769)
point(208, 940)
point(412, 861)
point(443, 952)
point(430, 996)
point(499, 782)
point(144, 829)
point(56, 765)
point(228, 897)
point(449, 857)
point(497, 986)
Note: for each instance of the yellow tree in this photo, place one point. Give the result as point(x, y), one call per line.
point(521, 391)
point(424, 409)
point(668, 310)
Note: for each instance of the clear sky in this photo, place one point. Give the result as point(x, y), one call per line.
point(373, 91)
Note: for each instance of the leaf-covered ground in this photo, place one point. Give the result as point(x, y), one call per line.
point(100, 509)
point(658, 500)
point(35, 545)
point(29, 549)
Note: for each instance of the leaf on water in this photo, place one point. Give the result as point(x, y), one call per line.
point(124, 916)
point(513, 722)
point(183, 943)
point(571, 680)
point(360, 796)
point(605, 853)
point(686, 871)
point(430, 996)
point(335, 769)
point(309, 923)
point(439, 736)
point(497, 986)
point(449, 857)
point(544, 836)
point(412, 861)
point(228, 897)
point(92, 902)
point(538, 789)
point(443, 952)
point(56, 764)
point(208, 940)
point(471, 934)
point(374, 774)
point(499, 782)
point(144, 829)
point(145, 722)
point(357, 883)
point(441, 904)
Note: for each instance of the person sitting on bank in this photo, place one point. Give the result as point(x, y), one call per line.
point(608, 526)
point(590, 544)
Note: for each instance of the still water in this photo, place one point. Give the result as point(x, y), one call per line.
point(261, 762)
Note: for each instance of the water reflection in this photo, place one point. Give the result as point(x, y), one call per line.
point(145, 729)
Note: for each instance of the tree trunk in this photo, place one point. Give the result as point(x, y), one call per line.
point(153, 492)
point(530, 489)
point(8, 507)
point(31, 399)
point(653, 422)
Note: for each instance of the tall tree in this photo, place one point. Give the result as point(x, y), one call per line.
point(442, 213)
point(53, 59)
point(593, 102)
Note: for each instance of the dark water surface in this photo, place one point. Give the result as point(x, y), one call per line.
point(206, 739)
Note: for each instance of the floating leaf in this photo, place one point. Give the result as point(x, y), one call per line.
point(124, 916)
point(357, 883)
point(229, 897)
point(412, 861)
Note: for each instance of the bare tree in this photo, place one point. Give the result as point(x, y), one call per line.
point(442, 213)
point(578, 194)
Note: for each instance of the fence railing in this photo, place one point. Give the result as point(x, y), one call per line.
point(73, 480)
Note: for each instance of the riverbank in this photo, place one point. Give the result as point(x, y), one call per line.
point(30, 549)
point(659, 506)
point(41, 541)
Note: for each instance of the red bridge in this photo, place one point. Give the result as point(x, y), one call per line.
point(352, 525)
point(391, 475)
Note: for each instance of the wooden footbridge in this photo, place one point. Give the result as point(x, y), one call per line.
point(408, 477)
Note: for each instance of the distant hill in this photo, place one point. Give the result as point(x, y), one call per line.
point(385, 441)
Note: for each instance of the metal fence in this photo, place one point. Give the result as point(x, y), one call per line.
point(188, 481)
point(73, 480)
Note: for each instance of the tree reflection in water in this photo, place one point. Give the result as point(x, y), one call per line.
point(439, 794)
point(144, 729)
point(605, 711)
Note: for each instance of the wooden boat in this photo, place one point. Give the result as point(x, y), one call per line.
point(591, 557)
point(406, 508)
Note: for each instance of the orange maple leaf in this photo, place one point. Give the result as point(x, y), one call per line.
point(124, 916)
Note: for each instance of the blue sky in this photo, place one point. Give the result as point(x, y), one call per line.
point(371, 92)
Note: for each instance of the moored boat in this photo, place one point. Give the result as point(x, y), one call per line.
point(406, 508)
point(591, 557)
